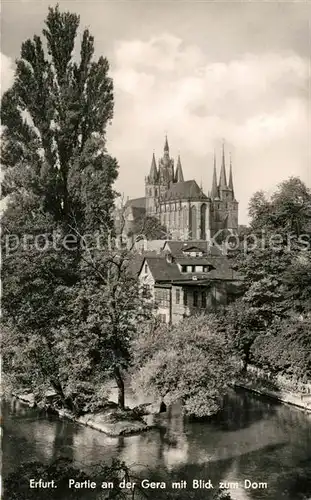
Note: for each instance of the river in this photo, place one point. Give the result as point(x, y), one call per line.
point(255, 439)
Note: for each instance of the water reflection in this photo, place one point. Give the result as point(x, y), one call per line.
point(250, 440)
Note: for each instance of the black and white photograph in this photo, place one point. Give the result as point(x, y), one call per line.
point(155, 220)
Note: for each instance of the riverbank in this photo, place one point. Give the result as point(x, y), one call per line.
point(112, 421)
point(258, 384)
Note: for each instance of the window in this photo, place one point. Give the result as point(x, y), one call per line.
point(185, 298)
point(204, 299)
point(162, 318)
point(205, 269)
point(146, 268)
point(162, 297)
point(146, 291)
point(195, 298)
point(183, 269)
point(177, 296)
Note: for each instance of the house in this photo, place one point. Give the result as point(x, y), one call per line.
point(187, 278)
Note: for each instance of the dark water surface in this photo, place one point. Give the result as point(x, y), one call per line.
point(256, 439)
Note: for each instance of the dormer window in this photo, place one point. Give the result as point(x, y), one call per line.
point(183, 269)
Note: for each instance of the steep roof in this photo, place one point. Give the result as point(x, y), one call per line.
point(161, 270)
point(136, 202)
point(184, 191)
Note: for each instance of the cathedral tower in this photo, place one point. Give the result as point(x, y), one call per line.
point(166, 169)
point(152, 188)
point(224, 207)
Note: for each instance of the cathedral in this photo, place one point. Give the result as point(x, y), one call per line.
point(180, 206)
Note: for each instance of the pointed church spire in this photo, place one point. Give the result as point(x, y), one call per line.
point(230, 184)
point(179, 176)
point(166, 148)
point(153, 174)
point(214, 191)
point(223, 177)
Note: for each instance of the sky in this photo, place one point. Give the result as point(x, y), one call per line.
point(200, 72)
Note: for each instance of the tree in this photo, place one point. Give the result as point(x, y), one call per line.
point(286, 349)
point(106, 309)
point(68, 301)
point(243, 324)
point(270, 260)
point(55, 117)
point(190, 363)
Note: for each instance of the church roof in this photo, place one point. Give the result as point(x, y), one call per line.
point(136, 202)
point(184, 191)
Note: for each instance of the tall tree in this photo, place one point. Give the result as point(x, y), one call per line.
point(60, 182)
point(55, 117)
point(276, 247)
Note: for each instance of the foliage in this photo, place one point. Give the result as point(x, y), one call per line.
point(149, 227)
point(54, 119)
point(188, 362)
point(105, 310)
point(242, 323)
point(69, 304)
point(275, 259)
point(286, 349)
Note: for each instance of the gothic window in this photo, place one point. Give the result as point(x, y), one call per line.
point(185, 217)
point(193, 222)
point(203, 221)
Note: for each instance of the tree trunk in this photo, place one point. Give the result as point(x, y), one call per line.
point(66, 402)
point(120, 384)
point(246, 359)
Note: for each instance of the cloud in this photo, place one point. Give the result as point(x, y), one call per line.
point(7, 72)
point(257, 102)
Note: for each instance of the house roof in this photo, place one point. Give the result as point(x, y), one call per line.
point(178, 247)
point(162, 270)
point(184, 191)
